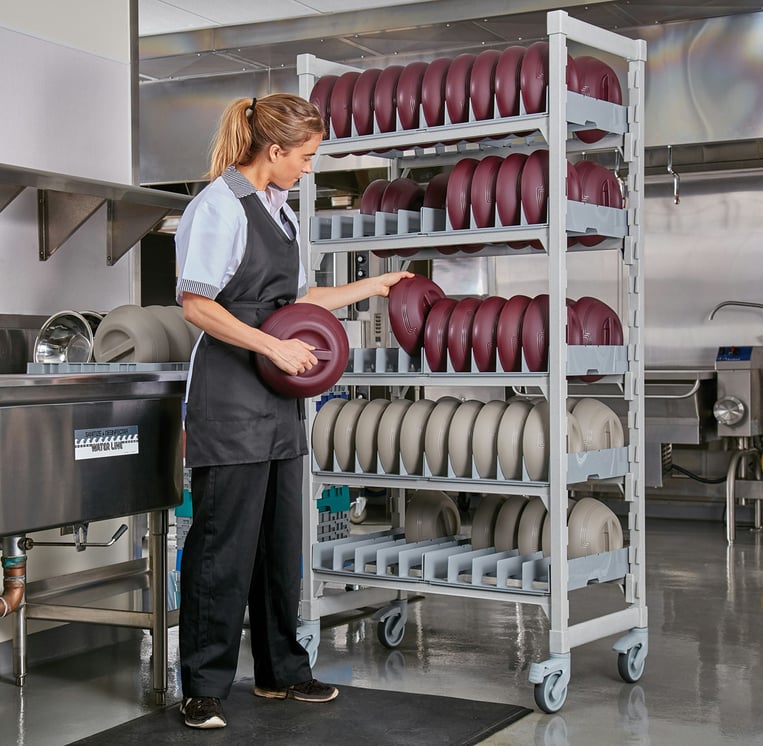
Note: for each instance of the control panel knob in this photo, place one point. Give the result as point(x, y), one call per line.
point(729, 410)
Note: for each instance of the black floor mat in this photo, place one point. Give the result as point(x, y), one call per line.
point(361, 717)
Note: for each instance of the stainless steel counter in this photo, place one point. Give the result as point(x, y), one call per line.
point(82, 447)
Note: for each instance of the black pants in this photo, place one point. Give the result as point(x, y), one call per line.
point(244, 546)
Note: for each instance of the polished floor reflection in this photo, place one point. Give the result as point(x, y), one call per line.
point(701, 685)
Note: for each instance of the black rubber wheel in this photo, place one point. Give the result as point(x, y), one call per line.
point(545, 698)
point(627, 667)
point(391, 631)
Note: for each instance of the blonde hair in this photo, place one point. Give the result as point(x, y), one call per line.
point(248, 126)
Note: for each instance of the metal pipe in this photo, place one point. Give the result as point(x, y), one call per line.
point(14, 575)
point(13, 599)
point(158, 523)
point(730, 485)
point(740, 303)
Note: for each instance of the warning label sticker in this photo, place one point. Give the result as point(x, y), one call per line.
point(105, 442)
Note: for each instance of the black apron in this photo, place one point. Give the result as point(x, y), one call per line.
point(231, 415)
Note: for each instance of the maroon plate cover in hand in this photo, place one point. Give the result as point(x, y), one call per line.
point(457, 87)
point(410, 300)
point(320, 96)
point(507, 81)
point(315, 326)
point(482, 83)
point(484, 327)
point(508, 333)
point(433, 91)
point(436, 334)
point(598, 80)
point(363, 101)
point(460, 333)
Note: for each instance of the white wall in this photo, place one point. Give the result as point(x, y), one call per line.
point(66, 110)
point(66, 93)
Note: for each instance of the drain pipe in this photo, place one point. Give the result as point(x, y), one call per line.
point(12, 600)
point(731, 476)
point(14, 575)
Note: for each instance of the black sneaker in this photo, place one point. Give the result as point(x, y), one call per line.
point(203, 712)
point(309, 691)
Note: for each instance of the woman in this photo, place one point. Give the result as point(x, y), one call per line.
point(238, 260)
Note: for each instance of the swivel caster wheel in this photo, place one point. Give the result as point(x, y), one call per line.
point(630, 665)
point(391, 630)
point(550, 694)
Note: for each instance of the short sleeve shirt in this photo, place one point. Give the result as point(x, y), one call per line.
point(211, 237)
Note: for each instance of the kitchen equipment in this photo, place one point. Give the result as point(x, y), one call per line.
point(66, 337)
point(737, 409)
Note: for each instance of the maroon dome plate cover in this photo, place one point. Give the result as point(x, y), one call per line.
point(320, 96)
point(372, 196)
point(315, 326)
point(483, 191)
point(598, 186)
point(363, 101)
point(598, 80)
point(484, 327)
point(507, 81)
point(535, 332)
point(482, 83)
point(409, 94)
point(460, 333)
point(341, 103)
point(436, 334)
point(433, 91)
point(409, 303)
point(436, 192)
point(402, 194)
point(385, 96)
point(533, 77)
point(507, 188)
point(457, 87)
point(599, 322)
point(459, 192)
point(508, 333)
point(534, 186)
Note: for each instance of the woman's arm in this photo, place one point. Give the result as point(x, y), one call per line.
point(290, 355)
point(332, 298)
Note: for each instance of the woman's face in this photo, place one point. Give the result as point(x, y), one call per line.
point(290, 165)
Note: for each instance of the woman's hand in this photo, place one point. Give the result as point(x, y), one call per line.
point(386, 281)
point(292, 356)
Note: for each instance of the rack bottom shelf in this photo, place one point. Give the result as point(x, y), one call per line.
point(453, 562)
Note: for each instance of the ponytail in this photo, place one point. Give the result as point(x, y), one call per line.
point(248, 126)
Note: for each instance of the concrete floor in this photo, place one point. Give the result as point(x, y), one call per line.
point(701, 686)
